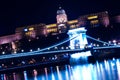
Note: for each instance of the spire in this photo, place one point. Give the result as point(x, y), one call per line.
point(60, 11)
point(61, 15)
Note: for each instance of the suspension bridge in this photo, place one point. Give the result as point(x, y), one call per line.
point(53, 49)
point(78, 47)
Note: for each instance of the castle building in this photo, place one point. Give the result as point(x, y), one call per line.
point(62, 25)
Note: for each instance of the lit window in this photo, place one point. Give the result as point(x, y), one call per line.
point(73, 21)
point(51, 25)
point(30, 29)
point(73, 26)
point(52, 30)
point(94, 21)
point(92, 17)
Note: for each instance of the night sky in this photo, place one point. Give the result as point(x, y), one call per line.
point(18, 13)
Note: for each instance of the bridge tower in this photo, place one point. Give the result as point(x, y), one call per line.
point(80, 39)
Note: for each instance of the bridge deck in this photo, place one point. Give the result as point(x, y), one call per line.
point(41, 53)
point(53, 52)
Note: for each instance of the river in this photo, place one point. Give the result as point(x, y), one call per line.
point(104, 70)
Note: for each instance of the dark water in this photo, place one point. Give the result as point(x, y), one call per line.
point(106, 70)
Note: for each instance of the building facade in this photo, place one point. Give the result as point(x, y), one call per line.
point(62, 25)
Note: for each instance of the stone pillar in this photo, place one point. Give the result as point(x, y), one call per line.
point(80, 39)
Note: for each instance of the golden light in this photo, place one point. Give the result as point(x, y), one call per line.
point(51, 25)
point(52, 30)
point(92, 17)
point(94, 21)
point(73, 21)
point(30, 29)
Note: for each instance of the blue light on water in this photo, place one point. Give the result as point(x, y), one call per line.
point(82, 54)
point(106, 70)
point(25, 75)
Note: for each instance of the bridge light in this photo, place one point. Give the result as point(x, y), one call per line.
point(48, 48)
point(62, 47)
point(56, 47)
point(30, 50)
point(98, 45)
point(38, 49)
point(3, 52)
point(15, 52)
point(67, 47)
point(22, 50)
point(118, 43)
point(104, 44)
point(109, 42)
point(94, 44)
point(114, 41)
point(98, 38)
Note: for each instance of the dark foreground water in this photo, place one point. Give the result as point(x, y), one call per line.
point(105, 70)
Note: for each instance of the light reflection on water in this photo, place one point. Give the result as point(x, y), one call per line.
point(106, 70)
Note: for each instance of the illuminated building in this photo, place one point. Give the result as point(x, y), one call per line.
point(62, 25)
point(32, 31)
point(61, 20)
point(94, 20)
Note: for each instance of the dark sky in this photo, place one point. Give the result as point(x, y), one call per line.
point(17, 13)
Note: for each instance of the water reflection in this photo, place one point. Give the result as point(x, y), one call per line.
point(106, 70)
point(25, 75)
point(35, 74)
point(46, 74)
point(52, 74)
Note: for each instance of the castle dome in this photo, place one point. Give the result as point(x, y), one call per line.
point(60, 11)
